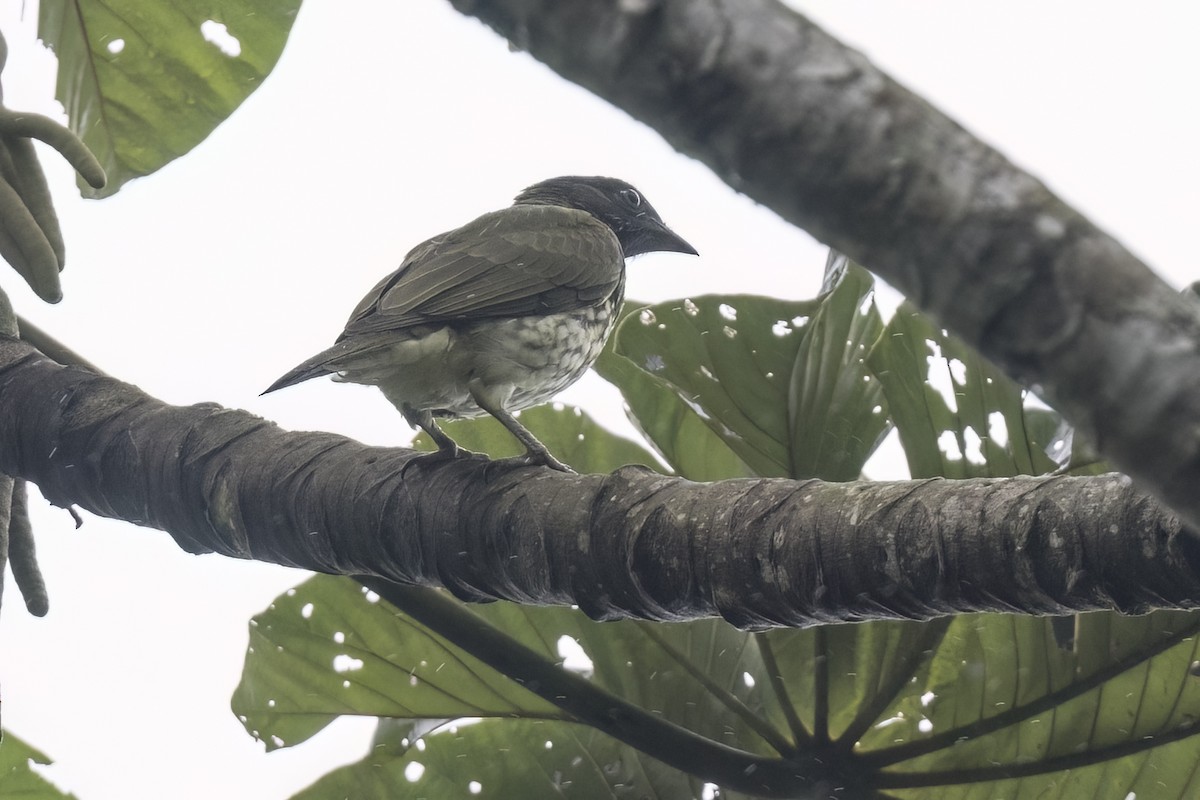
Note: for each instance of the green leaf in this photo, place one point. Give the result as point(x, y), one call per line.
point(18, 781)
point(570, 434)
point(1001, 692)
point(937, 705)
point(141, 84)
point(782, 383)
point(1053, 435)
point(675, 428)
point(325, 648)
point(736, 384)
point(677, 432)
point(838, 415)
point(980, 432)
point(505, 759)
point(867, 668)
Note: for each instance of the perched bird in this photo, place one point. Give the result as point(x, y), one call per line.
point(502, 313)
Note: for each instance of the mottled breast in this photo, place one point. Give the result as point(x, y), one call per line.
point(542, 355)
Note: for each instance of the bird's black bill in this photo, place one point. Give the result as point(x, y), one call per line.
point(653, 237)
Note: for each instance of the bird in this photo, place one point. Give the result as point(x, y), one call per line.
point(500, 314)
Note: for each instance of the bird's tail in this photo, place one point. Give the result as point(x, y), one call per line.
point(312, 368)
point(350, 354)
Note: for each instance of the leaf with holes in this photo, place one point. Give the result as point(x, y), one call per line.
point(910, 709)
point(957, 415)
point(325, 649)
point(505, 759)
point(144, 83)
point(676, 430)
point(782, 383)
point(673, 427)
point(836, 409)
point(1008, 710)
point(734, 378)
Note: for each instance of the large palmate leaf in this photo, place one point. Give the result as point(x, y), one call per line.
point(143, 83)
point(938, 709)
point(326, 646)
point(782, 383)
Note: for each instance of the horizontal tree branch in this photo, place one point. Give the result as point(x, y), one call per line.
point(782, 111)
point(631, 544)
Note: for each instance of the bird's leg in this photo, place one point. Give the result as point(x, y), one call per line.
point(447, 447)
point(423, 419)
point(535, 451)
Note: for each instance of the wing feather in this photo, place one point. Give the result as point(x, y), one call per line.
point(527, 259)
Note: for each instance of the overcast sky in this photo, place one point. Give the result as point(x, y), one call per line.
point(209, 279)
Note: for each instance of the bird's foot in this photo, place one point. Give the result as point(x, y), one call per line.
point(536, 459)
point(443, 454)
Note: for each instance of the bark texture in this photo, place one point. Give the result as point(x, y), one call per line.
point(632, 544)
point(803, 124)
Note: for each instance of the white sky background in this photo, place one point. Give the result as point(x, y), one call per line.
point(388, 124)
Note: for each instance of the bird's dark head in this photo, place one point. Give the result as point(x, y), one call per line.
point(615, 203)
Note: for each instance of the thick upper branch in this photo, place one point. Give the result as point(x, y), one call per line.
point(638, 544)
point(790, 116)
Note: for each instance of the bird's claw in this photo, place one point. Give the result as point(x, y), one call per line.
point(437, 456)
point(534, 459)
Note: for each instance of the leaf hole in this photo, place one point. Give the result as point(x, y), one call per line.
point(216, 34)
point(997, 428)
point(573, 656)
point(345, 663)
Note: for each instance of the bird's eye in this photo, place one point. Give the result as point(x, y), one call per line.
point(632, 197)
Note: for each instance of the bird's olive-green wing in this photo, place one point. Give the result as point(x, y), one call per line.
point(514, 262)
